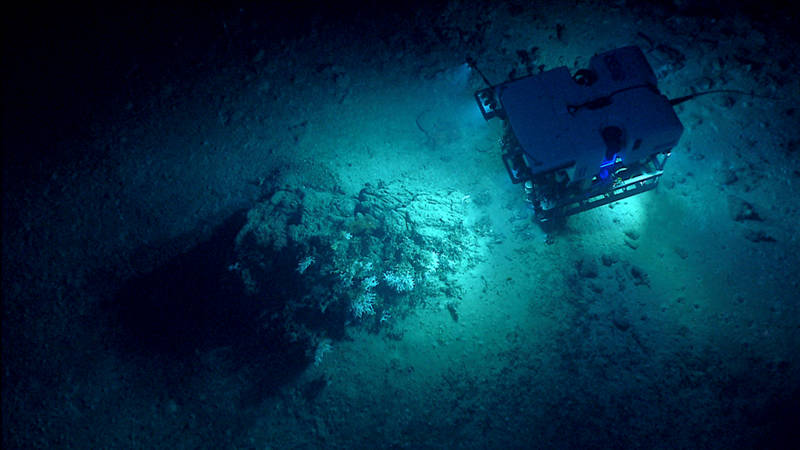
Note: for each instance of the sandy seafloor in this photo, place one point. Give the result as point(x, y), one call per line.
point(667, 320)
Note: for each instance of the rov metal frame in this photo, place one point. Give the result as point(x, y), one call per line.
point(634, 180)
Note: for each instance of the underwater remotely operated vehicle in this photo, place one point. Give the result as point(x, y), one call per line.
point(585, 140)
